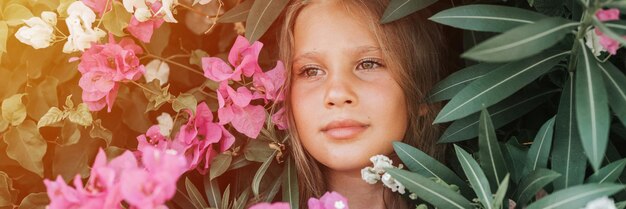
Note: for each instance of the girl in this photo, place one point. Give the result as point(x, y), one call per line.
point(354, 86)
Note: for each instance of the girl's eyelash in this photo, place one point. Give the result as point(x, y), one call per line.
point(377, 61)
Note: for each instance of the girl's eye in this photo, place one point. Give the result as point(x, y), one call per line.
point(311, 72)
point(369, 64)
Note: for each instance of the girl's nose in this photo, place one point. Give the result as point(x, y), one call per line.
point(339, 92)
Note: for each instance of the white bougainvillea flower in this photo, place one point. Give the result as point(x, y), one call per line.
point(157, 69)
point(381, 162)
point(166, 9)
point(203, 2)
point(79, 24)
point(592, 40)
point(131, 5)
point(38, 32)
point(392, 183)
point(166, 123)
point(601, 203)
point(142, 14)
point(370, 175)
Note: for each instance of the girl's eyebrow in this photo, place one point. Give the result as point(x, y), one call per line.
point(356, 50)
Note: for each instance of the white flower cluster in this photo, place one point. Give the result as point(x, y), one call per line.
point(592, 40)
point(142, 12)
point(79, 23)
point(601, 203)
point(372, 175)
point(39, 31)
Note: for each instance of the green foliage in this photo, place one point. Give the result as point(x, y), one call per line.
point(26, 146)
point(117, 19)
point(399, 8)
point(490, 18)
point(262, 14)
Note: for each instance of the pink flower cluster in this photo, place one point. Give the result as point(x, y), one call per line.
point(103, 66)
point(330, 200)
point(235, 106)
point(112, 182)
point(144, 30)
point(198, 139)
point(607, 15)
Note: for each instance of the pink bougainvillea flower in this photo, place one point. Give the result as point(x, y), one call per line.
point(330, 200)
point(144, 30)
point(277, 205)
point(61, 195)
point(104, 65)
point(217, 70)
point(271, 82)
point(235, 108)
point(607, 43)
point(245, 55)
point(279, 119)
point(99, 6)
point(607, 14)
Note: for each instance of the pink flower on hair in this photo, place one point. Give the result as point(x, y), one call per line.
point(277, 205)
point(245, 56)
point(144, 30)
point(217, 70)
point(104, 65)
point(271, 82)
point(330, 200)
point(607, 14)
point(235, 109)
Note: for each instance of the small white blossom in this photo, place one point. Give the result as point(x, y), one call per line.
point(340, 205)
point(157, 69)
point(370, 175)
point(413, 196)
point(142, 14)
point(79, 24)
point(49, 17)
point(392, 183)
point(166, 123)
point(601, 203)
point(593, 42)
point(381, 162)
point(166, 9)
point(37, 33)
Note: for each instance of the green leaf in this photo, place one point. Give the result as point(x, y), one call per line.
point(262, 15)
point(158, 43)
point(54, 115)
point(98, 131)
point(400, 8)
point(549, 7)
point(566, 158)
point(423, 164)
point(497, 85)
point(532, 183)
point(41, 97)
point(608, 31)
point(194, 194)
point(68, 102)
point(196, 57)
point(514, 154)
point(617, 26)
point(476, 177)
point(257, 150)
point(620, 205)
point(185, 101)
point(521, 42)
point(212, 192)
point(117, 19)
point(7, 193)
point(35, 201)
point(429, 191)
point(592, 110)
point(609, 173)
point(540, 149)
point(490, 18)
point(4, 35)
point(226, 197)
point(502, 189)
point(238, 162)
point(256, 182)
point(615, 82)
point(273, 188)
point(238, 13)
point(489, 153)
point(290, 184)
point(70, 134)
point(13, 110)
point(182, 200)
point(75, 159)
point(26, 146)
point(219, 165)
point(501, 114)
point(15, 13)
point(575, 197)
point(451, 85)
point(243, 199)
point(81, 115)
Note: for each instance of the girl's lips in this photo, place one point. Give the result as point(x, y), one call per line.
point(346, 132)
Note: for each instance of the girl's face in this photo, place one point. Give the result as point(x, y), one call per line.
point(346, 105)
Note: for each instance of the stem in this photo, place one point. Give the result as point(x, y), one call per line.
point(105, 12)
point(178, 56)
point(582, 29)
point(144, 88)
point(215, 18)
point(177, 64)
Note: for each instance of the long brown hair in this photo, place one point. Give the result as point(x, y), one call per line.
point(416, 47)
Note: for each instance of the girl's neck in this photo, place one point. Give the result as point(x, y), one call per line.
point(360, 194)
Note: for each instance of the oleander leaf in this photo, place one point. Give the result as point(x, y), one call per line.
point(502, 189)
point(539, 152)
point(256, 182)
point(262, 15)
point(238, 13)
point(219, 165)
point(532, 183)
point(608, 173)
point(428, 190)
point(489, 153)
point(194, 194)
point(290, 184)
point(400, 8)
point(490, 18)
point(212, 192)
point(476, 177)
point(609, 31)
point(615, 82)
point(451, 85)
point(575, 197)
